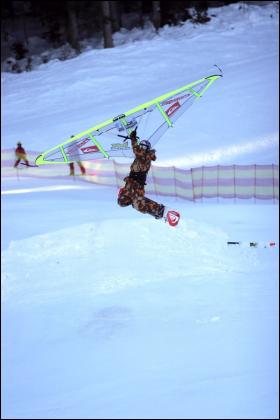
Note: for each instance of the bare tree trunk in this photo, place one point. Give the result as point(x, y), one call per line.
point(141, 14)
point(73, 33)
point(107, 24)
point(138, 8)
point(115, 15)
point(164, 12)
point(201, 8)
point(156, 15)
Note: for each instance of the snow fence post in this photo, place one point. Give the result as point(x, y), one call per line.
point(273, 183)
point(255, 183)
point(175, 183)
point(234, 181)
point(154, 181)
point(116, 173)
point(202, 184)
point(193, 185)
point(218, 182)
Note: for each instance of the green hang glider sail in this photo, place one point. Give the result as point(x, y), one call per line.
point(109, 139)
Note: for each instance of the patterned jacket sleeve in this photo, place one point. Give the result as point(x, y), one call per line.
point(136, 149)
point(153, 154)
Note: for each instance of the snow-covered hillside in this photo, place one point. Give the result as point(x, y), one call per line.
point(238, 117)
point(108, 313)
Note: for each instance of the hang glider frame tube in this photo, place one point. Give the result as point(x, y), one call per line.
point(63, 154)
point(165, 116)
point(99, 146)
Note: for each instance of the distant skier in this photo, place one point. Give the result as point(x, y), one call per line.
point(133, 193)
point(20, 155)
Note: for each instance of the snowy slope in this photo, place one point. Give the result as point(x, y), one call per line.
point(107, 313)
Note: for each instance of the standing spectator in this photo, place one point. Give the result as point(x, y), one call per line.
point(79, 163)
point(20, 155)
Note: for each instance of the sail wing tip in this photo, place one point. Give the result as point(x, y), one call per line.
point(220, 70)
point(214, 75)
point(39, 160)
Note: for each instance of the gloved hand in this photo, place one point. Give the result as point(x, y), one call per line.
point(133, 135)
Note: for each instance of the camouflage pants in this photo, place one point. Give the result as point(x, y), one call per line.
point(133, 194)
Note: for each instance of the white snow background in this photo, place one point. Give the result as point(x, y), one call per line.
point(106, 312)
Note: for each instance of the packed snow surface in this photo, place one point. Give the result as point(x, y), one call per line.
point(106, 312)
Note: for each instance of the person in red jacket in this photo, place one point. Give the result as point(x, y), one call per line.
point(133, 193)
point(20, 155)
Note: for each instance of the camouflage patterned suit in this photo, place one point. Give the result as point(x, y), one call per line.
point(133, 193)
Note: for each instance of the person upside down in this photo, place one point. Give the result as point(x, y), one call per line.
point(133, 193)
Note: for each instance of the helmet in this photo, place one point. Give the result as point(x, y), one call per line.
point(18, 143)
point(145, 144)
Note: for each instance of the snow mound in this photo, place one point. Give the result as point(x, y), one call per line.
point(110, 255)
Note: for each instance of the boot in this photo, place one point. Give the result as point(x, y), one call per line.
point(160, 212)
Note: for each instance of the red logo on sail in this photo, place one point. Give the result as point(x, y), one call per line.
point(173, 108)
point(90, 149)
